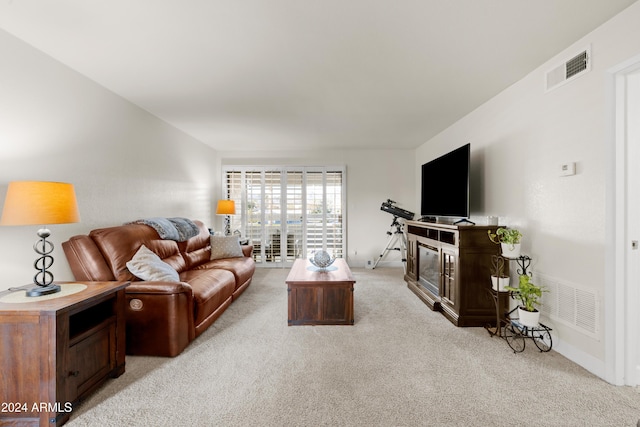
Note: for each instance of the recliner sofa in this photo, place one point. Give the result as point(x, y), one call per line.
point(163, 317)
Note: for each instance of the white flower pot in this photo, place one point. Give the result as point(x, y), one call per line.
point(510, 251)
point(499, 283)
point(528, 318)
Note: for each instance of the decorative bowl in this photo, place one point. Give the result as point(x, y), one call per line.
point(321, 259)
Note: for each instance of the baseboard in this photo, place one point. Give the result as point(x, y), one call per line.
point(381, 264)
point(587, 361)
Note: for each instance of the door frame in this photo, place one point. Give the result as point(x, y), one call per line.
point(621, 297)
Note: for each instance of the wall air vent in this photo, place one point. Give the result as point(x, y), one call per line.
point(568, 70)
point(570, 304)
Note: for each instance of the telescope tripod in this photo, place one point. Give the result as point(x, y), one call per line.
point(397, 242)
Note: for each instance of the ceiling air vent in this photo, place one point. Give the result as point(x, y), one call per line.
point(568, 70)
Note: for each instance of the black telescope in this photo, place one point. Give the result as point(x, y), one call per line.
point(389, 207)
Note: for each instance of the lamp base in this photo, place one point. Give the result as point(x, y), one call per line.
point(39, 291)
point(227, 225)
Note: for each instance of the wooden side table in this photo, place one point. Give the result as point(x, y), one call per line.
point(320, 297)
point(54, 352)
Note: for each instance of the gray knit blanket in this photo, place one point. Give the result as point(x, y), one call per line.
point(178, 229)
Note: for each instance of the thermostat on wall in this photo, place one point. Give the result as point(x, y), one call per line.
point(568, 169)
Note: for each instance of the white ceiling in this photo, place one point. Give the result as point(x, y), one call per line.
point(284, 74)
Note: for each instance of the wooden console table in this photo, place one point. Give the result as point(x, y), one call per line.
point(320, 297)
point(54, 352)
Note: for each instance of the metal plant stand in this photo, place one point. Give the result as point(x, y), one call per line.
point(498, 270)
point(515, 333)
point(508, 325)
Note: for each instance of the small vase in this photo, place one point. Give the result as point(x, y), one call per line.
point(499, 283)
point(528, 318)
point(511, 251)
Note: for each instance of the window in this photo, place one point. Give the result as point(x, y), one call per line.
point(288, 213)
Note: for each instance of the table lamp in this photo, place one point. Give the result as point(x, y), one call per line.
point(226, 207)
point(40, 203)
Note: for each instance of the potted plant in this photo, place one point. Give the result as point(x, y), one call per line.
point(500, 283)
point(499, 280)
point(509, 240)
point(529, 295)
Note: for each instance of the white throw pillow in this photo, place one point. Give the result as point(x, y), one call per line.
point(225, 247)
point(146, 265)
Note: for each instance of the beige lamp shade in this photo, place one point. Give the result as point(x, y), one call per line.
point(39, 203)
point(226, 207)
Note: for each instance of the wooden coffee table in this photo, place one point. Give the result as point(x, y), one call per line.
point(320, 297)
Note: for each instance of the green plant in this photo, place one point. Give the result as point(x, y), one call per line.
point(509, 236)
point(527, 292)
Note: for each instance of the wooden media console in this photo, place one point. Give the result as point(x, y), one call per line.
point(449, 268)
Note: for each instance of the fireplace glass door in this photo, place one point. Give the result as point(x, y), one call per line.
point(429, 268)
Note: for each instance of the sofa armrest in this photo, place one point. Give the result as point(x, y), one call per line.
point(160, 318)
point(247, 250)
point(166, 288)
point(86, 260)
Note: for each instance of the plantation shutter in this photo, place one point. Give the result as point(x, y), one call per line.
point(288, 213)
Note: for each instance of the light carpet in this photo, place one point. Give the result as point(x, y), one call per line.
point(399, 365)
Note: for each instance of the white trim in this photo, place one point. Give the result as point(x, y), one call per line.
point(632, 295)
point(592, 364)
point(621, 353)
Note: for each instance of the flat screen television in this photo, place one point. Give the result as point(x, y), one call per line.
point(445, 185)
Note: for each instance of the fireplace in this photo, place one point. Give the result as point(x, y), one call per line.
point(429, 268)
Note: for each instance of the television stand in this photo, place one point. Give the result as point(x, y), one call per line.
point(449, 269)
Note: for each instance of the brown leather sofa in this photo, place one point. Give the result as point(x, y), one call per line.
point(162, 317)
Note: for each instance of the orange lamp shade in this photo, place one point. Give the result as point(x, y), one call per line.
point(226, 207)
point(39, 203)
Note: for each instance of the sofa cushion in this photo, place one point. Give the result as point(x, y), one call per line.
point(197, 250)
point(242, 268)
point(211, 288)
point(225, 247)
point(146, 265)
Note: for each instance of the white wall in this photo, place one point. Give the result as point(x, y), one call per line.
point(57, 125)
point(373, 176)
point(519, 140)
point(126, 164)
